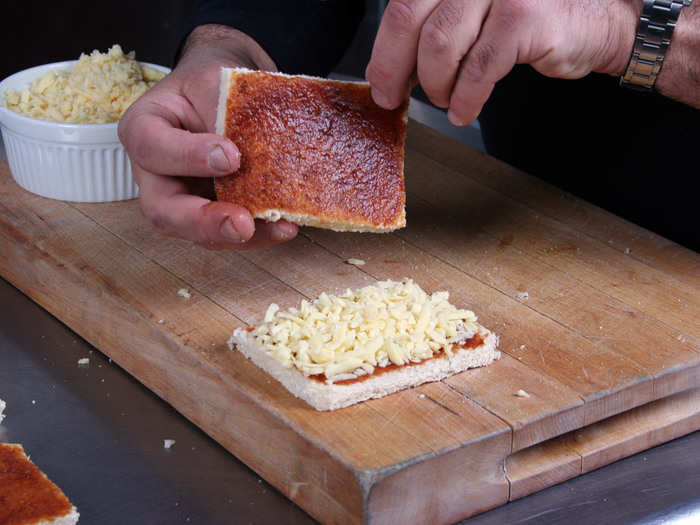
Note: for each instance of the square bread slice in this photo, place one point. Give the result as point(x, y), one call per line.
point(481, 350)
point(367, 343)
point(27, 495)
point(314, 151)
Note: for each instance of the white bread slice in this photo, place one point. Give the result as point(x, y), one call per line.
point(38, 496)
point(324, 396)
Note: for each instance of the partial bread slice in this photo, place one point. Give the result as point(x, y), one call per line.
point(27, 495)
point(314, 151)
point(325, 396)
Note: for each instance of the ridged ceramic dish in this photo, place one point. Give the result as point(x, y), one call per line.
point(70, 162)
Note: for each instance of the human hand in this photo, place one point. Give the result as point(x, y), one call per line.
point(460, 48)
point(168, 134)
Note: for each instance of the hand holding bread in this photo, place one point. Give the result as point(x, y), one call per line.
point(169, 136)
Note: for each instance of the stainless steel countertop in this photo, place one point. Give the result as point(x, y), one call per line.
point(98, 433)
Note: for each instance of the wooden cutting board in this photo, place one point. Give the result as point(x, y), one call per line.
point(598, 322)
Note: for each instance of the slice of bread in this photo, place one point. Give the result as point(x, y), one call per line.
point(332, 396)
point(314, 151)
point(27, 495)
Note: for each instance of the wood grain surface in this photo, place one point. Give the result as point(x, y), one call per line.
point(597, 319)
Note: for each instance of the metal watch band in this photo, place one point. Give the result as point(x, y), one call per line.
point(656, 25)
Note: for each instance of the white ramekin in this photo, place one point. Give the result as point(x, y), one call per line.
point(70, 162)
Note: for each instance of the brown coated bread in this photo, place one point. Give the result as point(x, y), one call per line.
point(27, 495)
point(316, 152)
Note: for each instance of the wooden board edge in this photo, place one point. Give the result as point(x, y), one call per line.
point(676, 380)
point(586, 449)
point(444, 489)
point(638, 429)
point(543, 465)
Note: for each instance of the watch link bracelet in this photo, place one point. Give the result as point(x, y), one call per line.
point(656, 25)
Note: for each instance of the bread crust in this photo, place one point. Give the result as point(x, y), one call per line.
point(314, 151)
point(328, 396)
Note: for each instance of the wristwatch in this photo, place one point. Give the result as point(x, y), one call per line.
point(656, 25)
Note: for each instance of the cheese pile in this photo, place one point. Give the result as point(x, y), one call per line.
point(349, 335)
point(98, 89)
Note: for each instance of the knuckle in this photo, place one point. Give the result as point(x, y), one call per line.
point(436, 39)
point(477, 64)
point(379, 74)
point(154, 216)
point(511, 13)
point(400, 16)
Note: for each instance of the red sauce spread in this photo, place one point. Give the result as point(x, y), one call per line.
point(319, 148)
point(473, 342)
point(26, 494)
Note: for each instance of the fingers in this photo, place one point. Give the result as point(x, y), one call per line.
point(445, 38)
point(160, 146)
point(395, 49)
point(269, 233)
point(491, 57)
point(215, 225)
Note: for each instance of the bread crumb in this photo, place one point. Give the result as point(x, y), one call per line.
point(355, 262)
point(523, 295)
point(167, 443)
point(161, 321)
point(422, 396)
point(83, 361)
point(522, 393)
point(522, 347)
point(184, 292)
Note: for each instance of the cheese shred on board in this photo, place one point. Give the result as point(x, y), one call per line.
point(348, 335)
point(100, 87)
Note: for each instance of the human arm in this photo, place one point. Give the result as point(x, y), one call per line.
point(459, 49)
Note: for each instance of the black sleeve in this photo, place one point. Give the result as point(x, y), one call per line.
point(634, 154)
point(301, 36)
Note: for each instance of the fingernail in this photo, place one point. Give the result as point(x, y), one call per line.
point(452, 117)
point(218, 160)
point(381, 99)
point(229, 231)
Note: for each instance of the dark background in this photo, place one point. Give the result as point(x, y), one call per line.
point(40, 32)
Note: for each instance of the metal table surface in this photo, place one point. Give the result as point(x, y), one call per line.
point(98, 433)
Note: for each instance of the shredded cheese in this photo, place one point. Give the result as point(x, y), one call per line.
point(98, 90)
point(350, 334)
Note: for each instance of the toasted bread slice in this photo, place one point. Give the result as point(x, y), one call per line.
point(315, 152)
point(27, 495)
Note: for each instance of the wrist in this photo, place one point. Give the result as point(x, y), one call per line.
point(625, 20)
point(681, 58)
point(227, 45)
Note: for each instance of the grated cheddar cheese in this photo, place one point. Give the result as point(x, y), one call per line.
point(98, 90)
point(348, 335)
